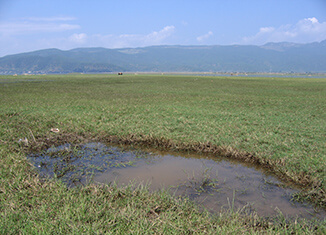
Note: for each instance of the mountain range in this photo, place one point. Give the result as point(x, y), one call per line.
point(271, 57)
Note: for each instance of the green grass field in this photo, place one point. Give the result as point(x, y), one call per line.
point(279, 123)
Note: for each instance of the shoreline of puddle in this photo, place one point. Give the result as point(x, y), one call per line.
point(214, 183)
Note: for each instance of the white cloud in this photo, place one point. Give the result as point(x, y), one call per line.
point(37, 25)
point(78, 38)
point(205, 36)
point(266, 29)
point(157, 37)
point(133, 40)
point(13, 40)
point(304, 31)
point(28, 27)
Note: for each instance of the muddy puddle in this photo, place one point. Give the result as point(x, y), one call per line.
point(212, 182)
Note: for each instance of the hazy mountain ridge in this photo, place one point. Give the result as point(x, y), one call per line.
point(271, 57)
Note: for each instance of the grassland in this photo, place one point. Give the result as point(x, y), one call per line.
point(279, 123)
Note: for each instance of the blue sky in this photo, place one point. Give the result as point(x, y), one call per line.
point(27, 25)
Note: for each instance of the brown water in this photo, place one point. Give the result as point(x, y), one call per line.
point(212, 182)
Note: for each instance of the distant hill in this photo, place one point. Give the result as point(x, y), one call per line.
point(271, 57)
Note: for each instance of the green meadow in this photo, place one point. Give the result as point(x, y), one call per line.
point(279, 123)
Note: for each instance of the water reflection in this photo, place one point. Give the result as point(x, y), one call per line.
point(212, 182)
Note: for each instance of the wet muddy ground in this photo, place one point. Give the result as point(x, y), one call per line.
point(212, 182)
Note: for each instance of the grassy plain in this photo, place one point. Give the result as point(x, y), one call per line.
point(276, 122)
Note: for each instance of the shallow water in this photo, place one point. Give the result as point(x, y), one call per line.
point(212, 182)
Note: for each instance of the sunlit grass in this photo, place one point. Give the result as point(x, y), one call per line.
point(280, 121)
